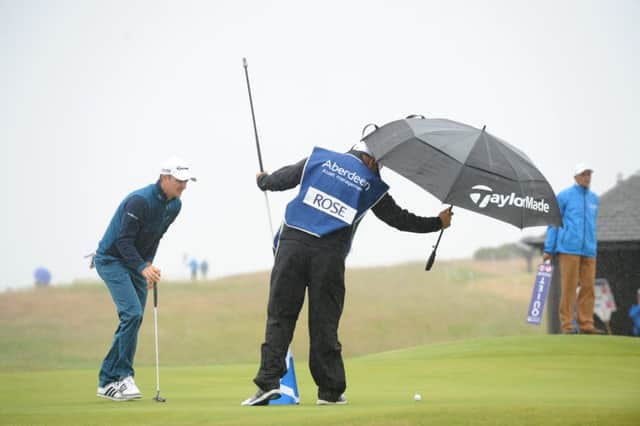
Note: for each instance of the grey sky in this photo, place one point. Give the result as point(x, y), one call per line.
point(96, 94)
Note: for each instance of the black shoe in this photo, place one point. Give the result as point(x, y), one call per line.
point(262, 397)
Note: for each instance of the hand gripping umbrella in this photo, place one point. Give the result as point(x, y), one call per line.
point(466, 167)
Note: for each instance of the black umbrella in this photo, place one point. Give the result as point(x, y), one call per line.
point(468, 168)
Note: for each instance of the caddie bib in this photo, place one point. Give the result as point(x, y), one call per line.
point(336, 190)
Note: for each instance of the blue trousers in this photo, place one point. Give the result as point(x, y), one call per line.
point(129, 293)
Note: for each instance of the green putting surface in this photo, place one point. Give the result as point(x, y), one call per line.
point(532, 380)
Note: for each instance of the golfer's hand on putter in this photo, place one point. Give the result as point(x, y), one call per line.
point(151, 274)
point(445, 217)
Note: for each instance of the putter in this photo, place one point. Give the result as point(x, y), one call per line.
point(157, 398)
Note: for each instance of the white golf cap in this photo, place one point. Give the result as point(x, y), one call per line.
point(178, 168)
point(362, 147)
point(581, 167)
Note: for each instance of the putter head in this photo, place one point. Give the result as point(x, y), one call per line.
point(432, 259)
point(158, 398)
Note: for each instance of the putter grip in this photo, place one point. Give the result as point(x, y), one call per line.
point(155, 295)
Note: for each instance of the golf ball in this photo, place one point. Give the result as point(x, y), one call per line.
point(417, 397)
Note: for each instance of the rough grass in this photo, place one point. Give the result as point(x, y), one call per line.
point(223, 321)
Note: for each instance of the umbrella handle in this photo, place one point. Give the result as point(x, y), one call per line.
point(432, 258)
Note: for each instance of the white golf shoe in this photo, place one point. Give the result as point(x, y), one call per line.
point(111, 391)
point(129, 389)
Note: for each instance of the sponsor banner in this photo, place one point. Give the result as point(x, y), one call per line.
point(330, 205)
point(539, 294)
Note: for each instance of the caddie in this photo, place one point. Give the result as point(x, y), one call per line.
point(336, 190)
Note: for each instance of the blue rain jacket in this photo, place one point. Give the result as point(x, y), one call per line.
point(579, 210)
point(137, 226)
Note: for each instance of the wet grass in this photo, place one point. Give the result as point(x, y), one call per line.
point(534, 380)
point(223, 321)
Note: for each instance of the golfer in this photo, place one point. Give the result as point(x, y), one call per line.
point(336, 190)
point(124, 260)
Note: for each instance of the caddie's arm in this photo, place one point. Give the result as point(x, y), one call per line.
point(282, 179)
point(393, 215)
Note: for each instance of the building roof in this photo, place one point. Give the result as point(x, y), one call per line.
point(618, 216)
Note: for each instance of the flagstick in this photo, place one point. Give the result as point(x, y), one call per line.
point(255, 132)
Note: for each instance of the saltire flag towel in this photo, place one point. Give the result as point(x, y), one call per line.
point(288, 385)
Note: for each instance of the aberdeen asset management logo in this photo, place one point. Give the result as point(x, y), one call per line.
point(485, 196)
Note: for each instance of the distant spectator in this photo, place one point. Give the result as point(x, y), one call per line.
point(42, 277)
point(634, 314)
point(575, 244)
point(193, 266)
point(204, 268)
